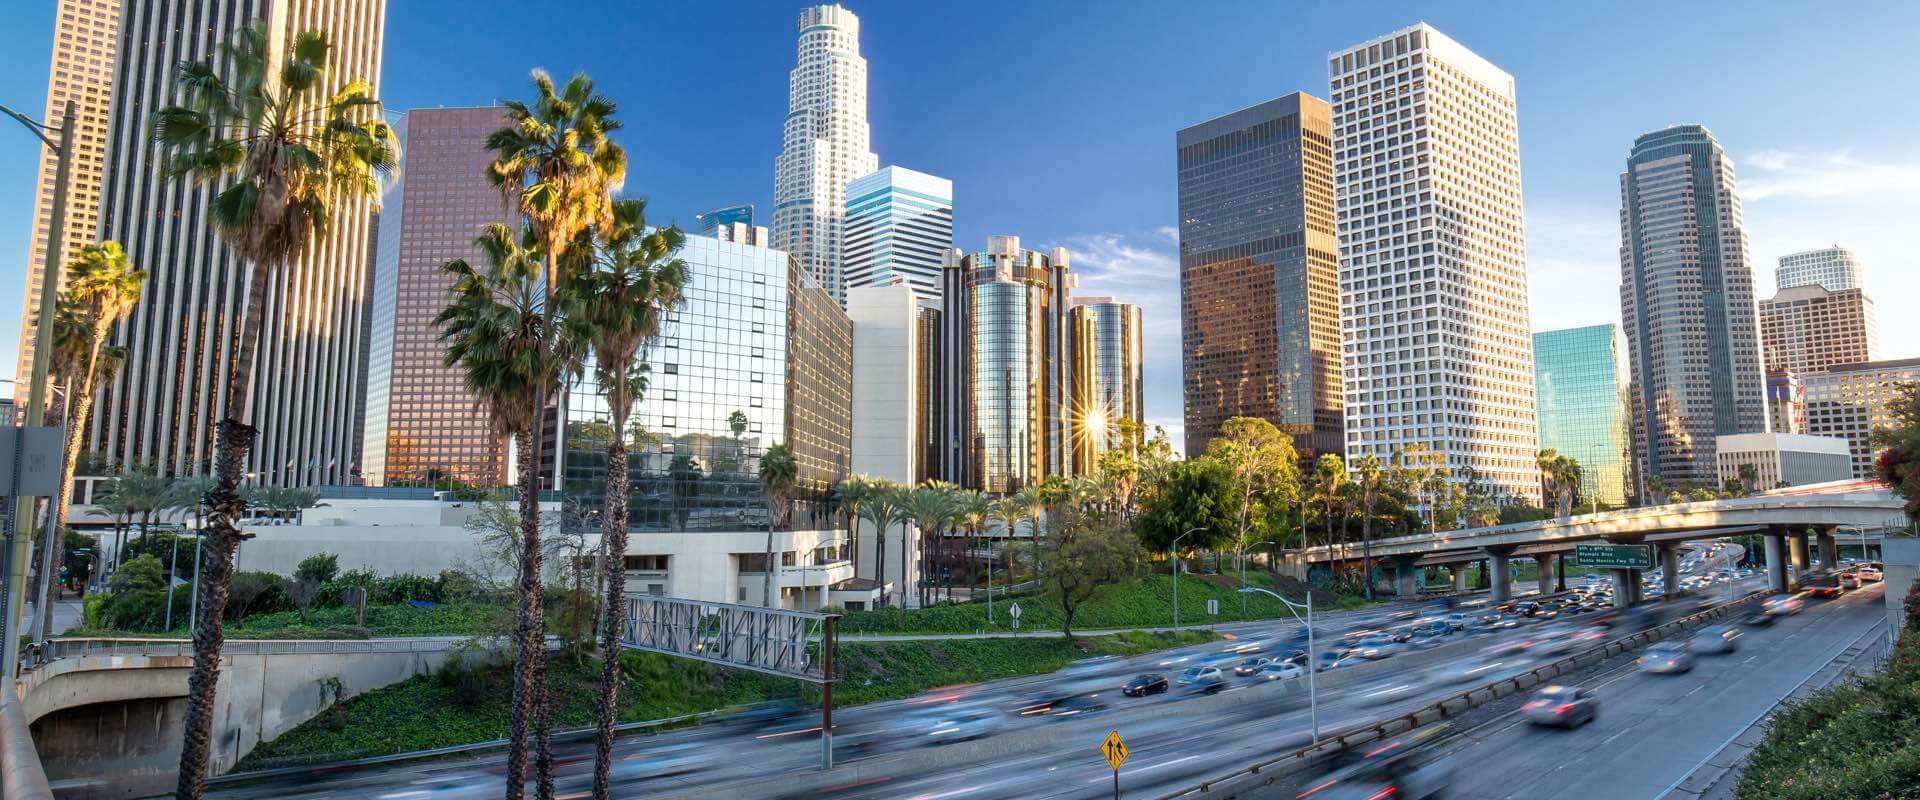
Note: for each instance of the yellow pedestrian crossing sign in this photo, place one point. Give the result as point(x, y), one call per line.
point(1115, 750)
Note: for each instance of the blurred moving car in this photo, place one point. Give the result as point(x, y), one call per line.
point(958, 723)
point(1393, 770)
point(1251, 666)
point(1870, 573)
point(1783, 606)
point(1203, 679)
point(1757, 618)
point(1374, 647)
point(1143, 685)
point(1459, 621)
point(1561, 707)
point(1280, 671)
point(1716, 639)
point(1849, 580)
point(1666, 658)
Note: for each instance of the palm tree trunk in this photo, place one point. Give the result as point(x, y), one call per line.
point(531, 649)
point(69, 459)
point(766, 585)
point(614, 536)
point(1366, 545)
point(879, 556)
point(232, 442)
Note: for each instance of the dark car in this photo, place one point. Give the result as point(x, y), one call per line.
point(1143, 685)
point(1435, 628)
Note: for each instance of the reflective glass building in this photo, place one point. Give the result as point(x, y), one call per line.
point(899, 227)
point(1259, 293)
point(757, 354)
point(1107, 343)
point(1580, 378)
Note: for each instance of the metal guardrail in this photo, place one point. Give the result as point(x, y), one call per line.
point(1266, 772)
point(75, 647)
point(21, 776)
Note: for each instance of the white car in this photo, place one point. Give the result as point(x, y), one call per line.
point(1279, 671)
point(1202, 679)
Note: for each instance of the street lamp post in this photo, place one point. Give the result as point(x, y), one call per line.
point(1313, 657)
point(1174, 552)
point(1243, 573)
point(18, 549)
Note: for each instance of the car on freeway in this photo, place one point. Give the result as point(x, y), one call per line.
point(1869, 574)
point(1471, 670)
point(1825, 587)
point(1561, 707)
point(1508, 622)
point(1203, 679)
point(1396, 769)
point(1376, 646)
point(1716, 639)
point(1251, 666)
point(1145, 684)
point(1280, 671)
point(1459, 621)
point(1665, 658)
point(1387, 690)
point(1849, 580)
point(959, 723)
point(1784, 605)
point(1434, 628)
point(1757, 618)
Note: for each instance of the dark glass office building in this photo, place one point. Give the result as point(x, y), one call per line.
point(1259, 289)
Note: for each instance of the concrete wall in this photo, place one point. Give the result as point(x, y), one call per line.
point(703, 566)
point(1901, 556)
point(112, 750)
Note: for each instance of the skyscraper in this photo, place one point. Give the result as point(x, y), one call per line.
point(1433, 273)
point(1853, 400)
point(1259, 290)
point(162, 407)
point(1107, 389)
point(899, 226)
point(85, 42)
point(1832, 267)
point(422, 423)
point(1686, 299)
point(1005, 395)
point(1808, 328)
point(1580, 375)
point(825, 144)
point(1786, 402)
point(707, 222)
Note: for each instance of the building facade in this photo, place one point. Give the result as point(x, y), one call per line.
point(1809, 328)
point(1786, 402)
point(706, 223)
point(422, 424)
point(1832, 268)
point(86, 42)
point(306, 390)
point(1779, 460)
point(1580, 377)
point(1006, 361)
point(899, 227)
point(1686, 299)
point(1437, 345)
point(1851, 401)
point(825, 144)
point(1259, 285)
point(724, 383)
point(1108, 343)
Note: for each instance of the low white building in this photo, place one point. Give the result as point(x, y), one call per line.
point(887, 404)
point(1784, 459)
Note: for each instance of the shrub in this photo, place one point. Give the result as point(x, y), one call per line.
point(319, 568)
point(146, 609)
point(339, 591)
point(255, 592)
point(138, 574)
point(404, 587)
point(1911, 604)
point(93, 609)
point(457, 585)
point(466, 680)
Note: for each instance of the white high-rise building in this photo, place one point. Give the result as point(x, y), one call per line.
point(826, 144)
point(899, 227)
point(1433, 274)
point(1832, 268)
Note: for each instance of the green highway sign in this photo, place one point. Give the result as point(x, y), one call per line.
point(1614, 556)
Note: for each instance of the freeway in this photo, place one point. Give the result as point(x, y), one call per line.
point(1652, 731)
point(1178, 738)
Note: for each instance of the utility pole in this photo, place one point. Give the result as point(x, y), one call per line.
point(19, 548)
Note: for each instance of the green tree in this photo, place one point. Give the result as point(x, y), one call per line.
point(882, 507)
point(1080, 554)
point(778, 473)
point(971, 509)
point(1367, 474)
point(1329, 475)
point(1262, 462)
point(929, 507)
point(287, 145)
point(1195, 493)
point(849, 495)
point(1899, 463)
point(1749, 479)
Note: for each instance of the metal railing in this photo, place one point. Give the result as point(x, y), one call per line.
point(86, 646)
point(21, 776)
point(1270, 770)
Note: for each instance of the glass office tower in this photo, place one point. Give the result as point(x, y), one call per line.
point(725, 382)
point(1107, 344)
point(1580, 380)
point(1259, 289)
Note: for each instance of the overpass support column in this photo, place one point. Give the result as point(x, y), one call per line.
point(1545, 562)
point(1626, 588)
point(1797, 544)
point(1829, 549)
point(1776, 562)
point(1497, 574)
point(1461, 570)
point(1406, 577)
point(1669, 569)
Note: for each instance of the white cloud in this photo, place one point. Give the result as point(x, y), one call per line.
point(1143, 269)
point(1770, 174)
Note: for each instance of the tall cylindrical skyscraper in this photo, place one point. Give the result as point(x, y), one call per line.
point(1686, 301)
point(824, 145)
point(1107, 346)
point(307, 383)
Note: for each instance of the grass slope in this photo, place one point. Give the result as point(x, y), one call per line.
point(1142, 603)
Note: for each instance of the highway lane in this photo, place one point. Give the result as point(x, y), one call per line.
point(1654, 730)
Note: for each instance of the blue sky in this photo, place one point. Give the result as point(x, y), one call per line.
point(1055, 120)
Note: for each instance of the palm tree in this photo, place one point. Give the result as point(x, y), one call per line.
point(618, 306)
point(882, 508)
point(289, 144)
point(555, 158)
point(1330, 473)
point(1368, 471)
point(496, 331)
point(1564, 477)
point(972, 508)
point(850, 493)
point(778, 472)
point(929, 507)
point(1009, 511)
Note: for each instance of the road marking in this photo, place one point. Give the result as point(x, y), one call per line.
point(1609, 740)
point(1695, 690)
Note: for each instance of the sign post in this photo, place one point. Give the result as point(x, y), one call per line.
point(1014, 612)
point(1614, 556)
point(1115, 751)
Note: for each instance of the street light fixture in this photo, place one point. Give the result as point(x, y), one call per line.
point(1313, 657)
point(1174, 552)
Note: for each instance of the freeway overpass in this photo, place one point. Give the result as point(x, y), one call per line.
point(1786, 517)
